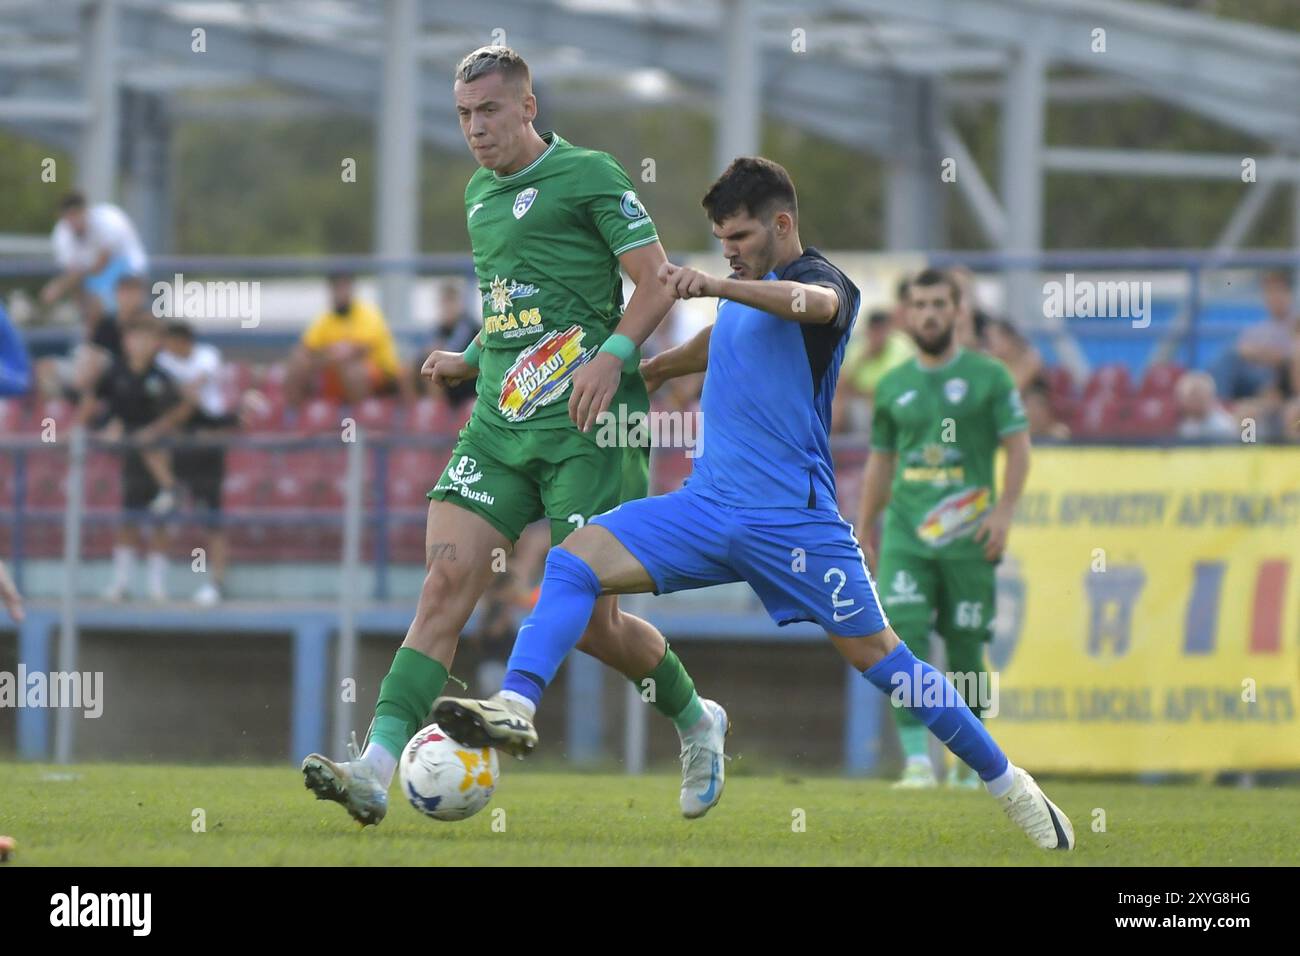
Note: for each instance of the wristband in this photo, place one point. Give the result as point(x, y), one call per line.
point(621, 347)
point(470, 355)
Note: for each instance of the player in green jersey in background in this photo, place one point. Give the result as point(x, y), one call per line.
point(550, 225)
point(937, 424)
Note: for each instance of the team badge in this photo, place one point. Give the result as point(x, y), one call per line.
point(631, 206)
point(954, 389)
point(524, 202)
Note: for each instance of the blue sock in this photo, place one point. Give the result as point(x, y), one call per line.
point(568, 596)
point(950, 719)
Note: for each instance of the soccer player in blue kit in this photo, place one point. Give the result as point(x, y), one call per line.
point(761, 505)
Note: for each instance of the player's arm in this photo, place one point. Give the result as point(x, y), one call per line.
point(596, 382)
point(689, 358)
point(996, 526)
point(877, 479)
point(807, 302)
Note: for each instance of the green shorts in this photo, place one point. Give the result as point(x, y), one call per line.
point(954, 597)
point(513, 476)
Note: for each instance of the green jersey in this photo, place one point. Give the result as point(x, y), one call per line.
point(945, 425)
point(546, 244)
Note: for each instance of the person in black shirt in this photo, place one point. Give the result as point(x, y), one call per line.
point(142, 404)
point(456, 328)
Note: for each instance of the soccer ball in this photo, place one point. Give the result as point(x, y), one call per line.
point(444, 780)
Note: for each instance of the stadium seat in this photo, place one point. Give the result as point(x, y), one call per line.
point(1160, 379)
point(378, 414)
point(320, 415)
point(1101, 417)
point(1154, 416)
point(1112, 380)
point(1060, 381)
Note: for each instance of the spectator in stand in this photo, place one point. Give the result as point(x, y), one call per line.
point(972, 321)
point(1291, 390)
point(142, 404)
point(1042, 419)
point(9, 596)
point(348, 352)
point(456, 328)
point(1253, 367)
point(15, 366)
point(95, 245)
point(201, 467)
point(1017, 353)
point(1201, 416)
point(870, 355)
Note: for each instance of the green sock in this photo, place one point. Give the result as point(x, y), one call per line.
point(672, 692)
point(915, 737)
point(405, 698)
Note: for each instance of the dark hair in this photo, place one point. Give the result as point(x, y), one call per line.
point(1008, 328)
point(129, 279)
point(900, 292)
point(73, 200)
point(181, 329)
point(933, 277)
point(339, 275)
point(878, 317)
point(1276, 277)
point(751, 185)
point(487, 60)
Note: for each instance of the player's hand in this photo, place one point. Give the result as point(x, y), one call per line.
point(993, 531)
point(653, 378)
point(594, 386)
point(447, 368)
point(683, 282)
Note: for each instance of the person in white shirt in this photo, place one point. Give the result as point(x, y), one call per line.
point(1201, 417)
point(201, 468)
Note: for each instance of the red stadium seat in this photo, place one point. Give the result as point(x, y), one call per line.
point(12, 413)
point(1152, 417)
point(378, 414)
point(320, 415)
point(1160, 379)
point(1060, 382)
point(1111, 380)
point(1102, 417)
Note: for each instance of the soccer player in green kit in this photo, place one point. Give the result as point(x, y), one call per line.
point(550, 225)
point(937, 424)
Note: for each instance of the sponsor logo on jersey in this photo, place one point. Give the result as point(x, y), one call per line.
point(498, 318)
point(524, 202)
point(934, 464)
point(631, 206)
point(473, 209)
point(955, 389)
point(953, 517)
point(905, 397)
point(460, 478)
point(903, 590)
point(541, 373)
point(502, 293)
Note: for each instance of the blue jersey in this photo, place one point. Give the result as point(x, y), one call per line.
point(767, 399)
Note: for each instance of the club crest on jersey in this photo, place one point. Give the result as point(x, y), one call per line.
point(541, 373)
point(954, 389)
point(524, 202)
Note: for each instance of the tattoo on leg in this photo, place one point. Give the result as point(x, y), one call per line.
point(443, 550)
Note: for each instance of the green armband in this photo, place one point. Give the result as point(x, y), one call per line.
point(625, 349)
point(470, 355)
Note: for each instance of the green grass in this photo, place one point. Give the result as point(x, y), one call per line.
point(105, 814)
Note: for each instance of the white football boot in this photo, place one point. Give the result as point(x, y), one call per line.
point(917, 775)
point(703, 763)
point(1028, 807)
point(353, 783)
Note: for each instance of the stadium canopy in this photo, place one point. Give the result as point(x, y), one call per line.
point(100, 79)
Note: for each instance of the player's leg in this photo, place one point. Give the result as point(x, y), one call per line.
point(643, 545)
point(967, 596)
point(807, 566)
point(479, 507)
point(908, 585)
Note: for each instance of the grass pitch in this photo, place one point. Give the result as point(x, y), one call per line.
point(108, 814)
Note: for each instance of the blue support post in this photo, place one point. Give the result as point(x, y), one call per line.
point(311, 643)
point(19, 525)
point(586, 717)
point(34, 655)
point(861, 724)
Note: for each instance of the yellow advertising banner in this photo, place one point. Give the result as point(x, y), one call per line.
point(1149, 611)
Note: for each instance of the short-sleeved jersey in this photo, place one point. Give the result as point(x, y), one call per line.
point(767, 398)
point(363, 324)
point(546, 243)
point(945, 425)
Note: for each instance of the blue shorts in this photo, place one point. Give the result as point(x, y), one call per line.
point(804, 564)
point(103, 284)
